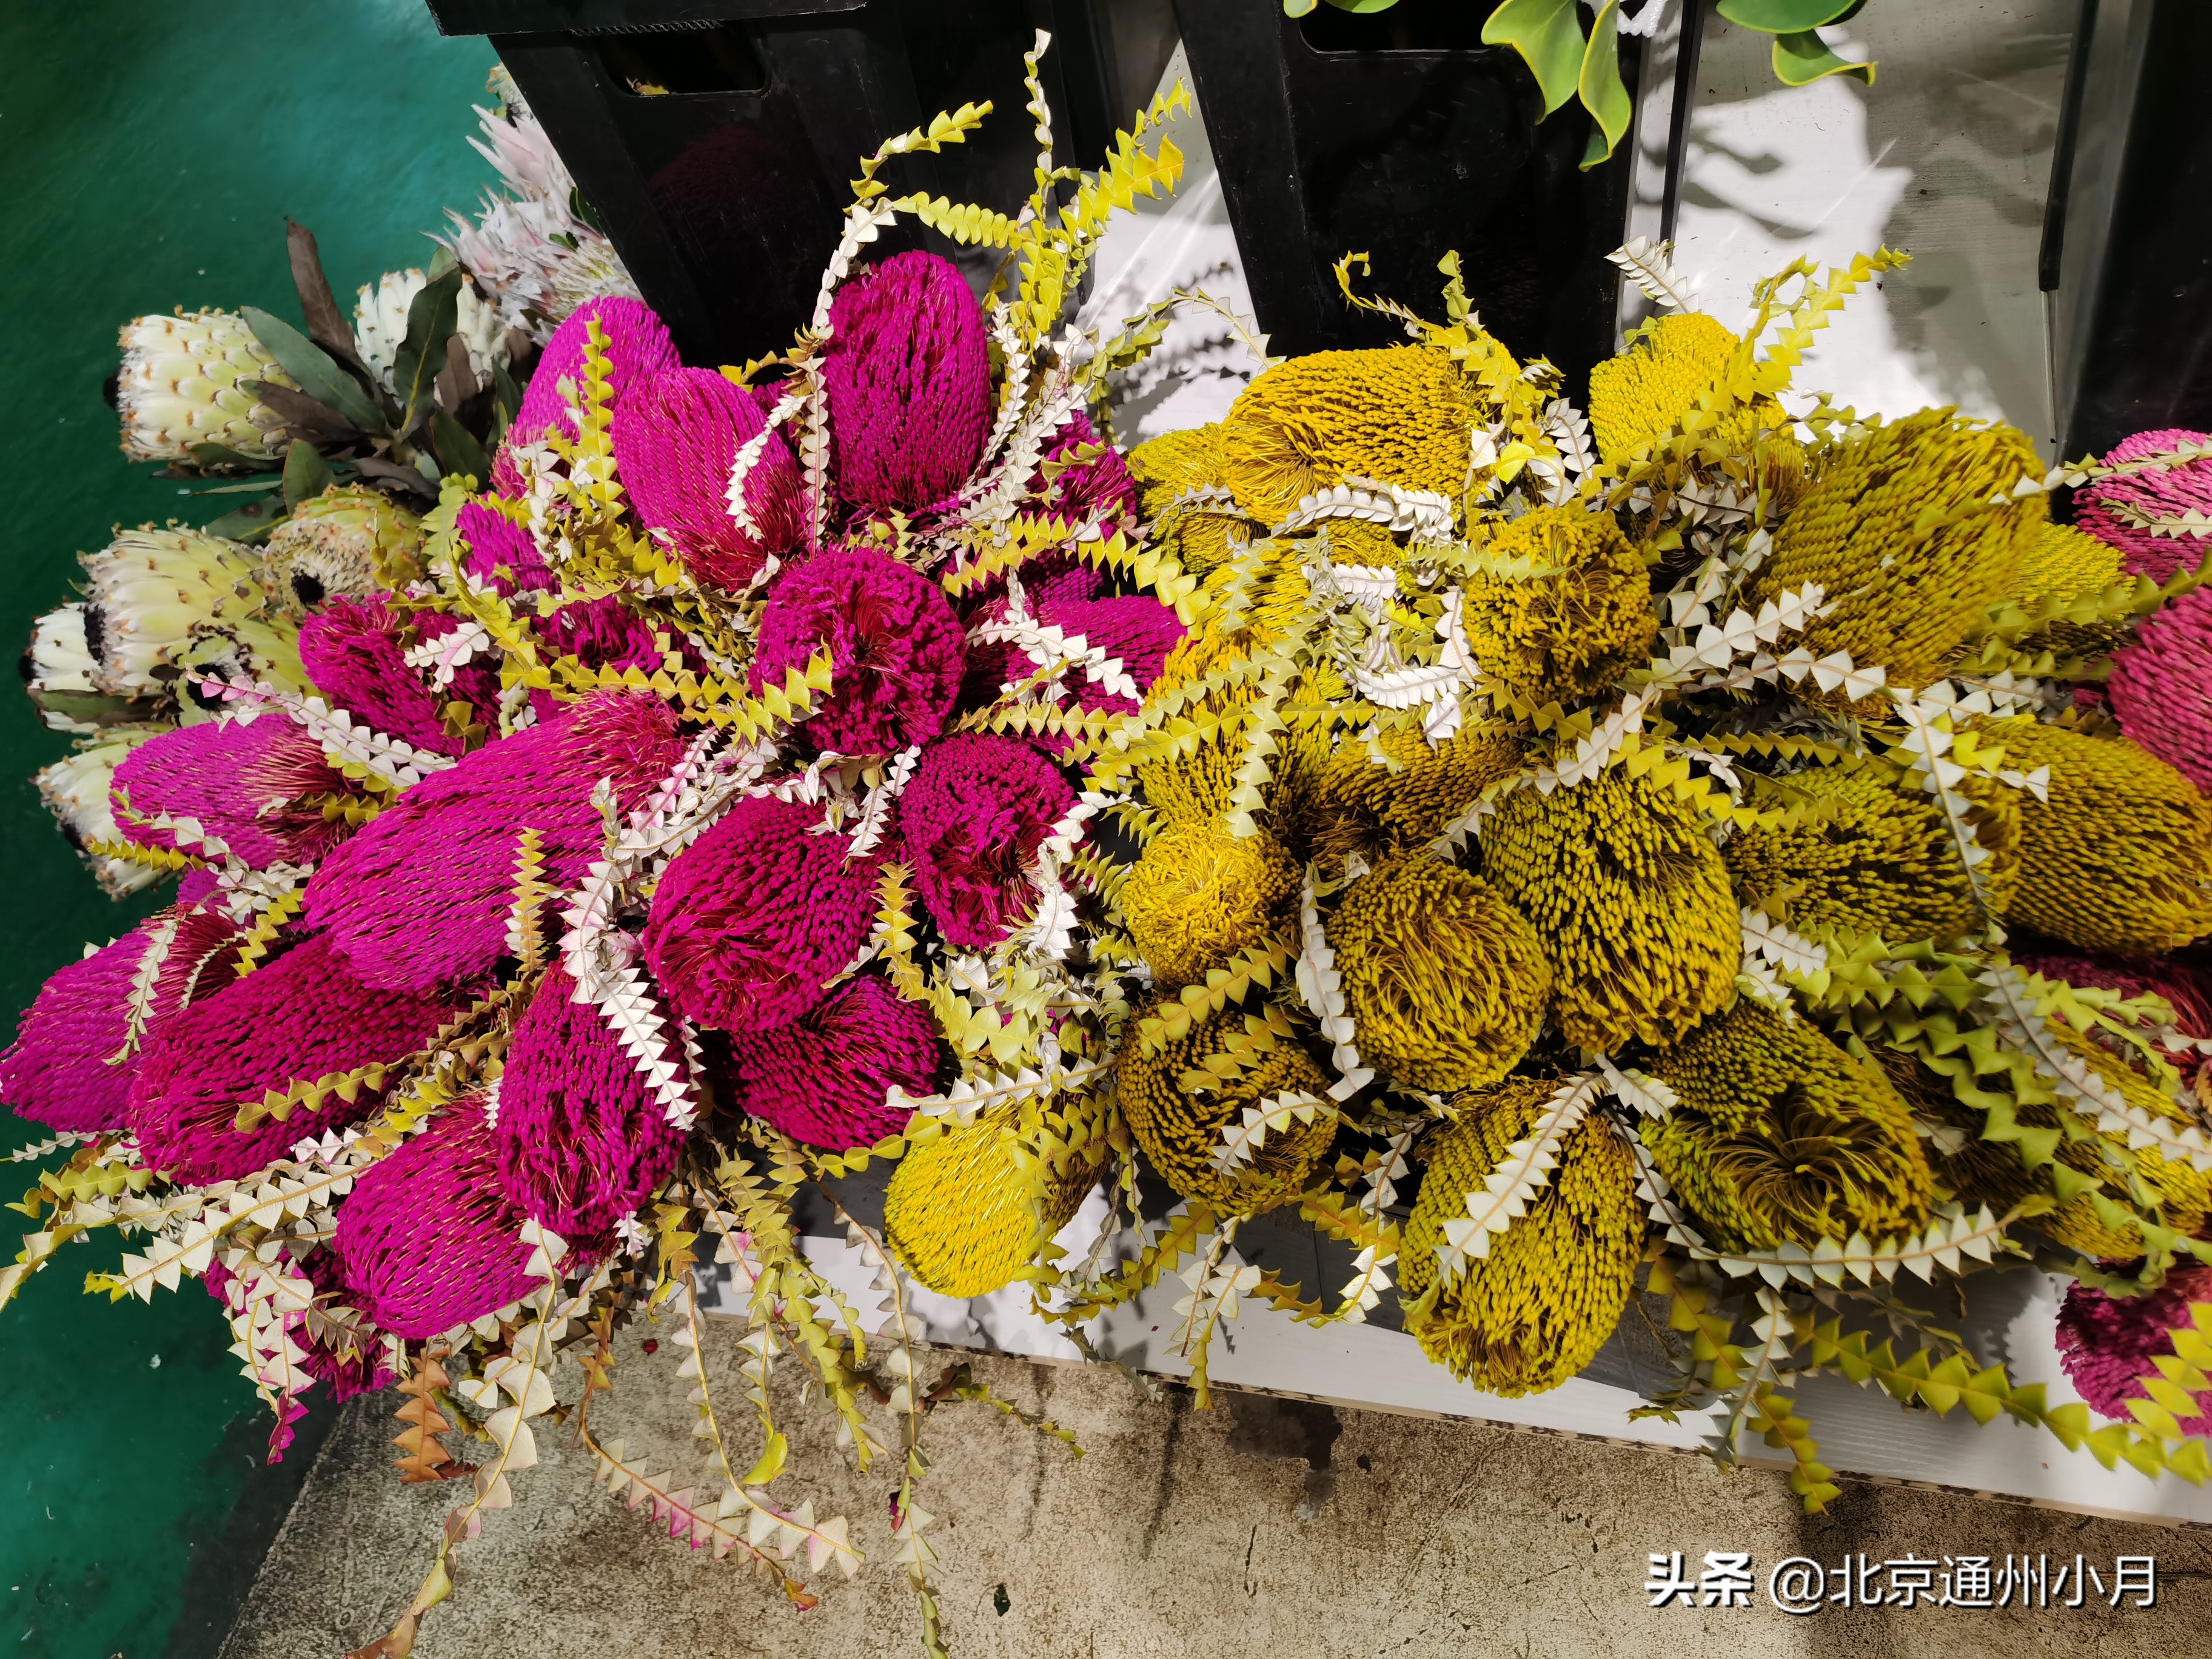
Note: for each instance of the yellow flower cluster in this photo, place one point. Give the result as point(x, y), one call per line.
point(1447, 980)
point(1536, 1309)
point(1199, 895)
point(1568, 629)
point(1639, 397)
point(1783, 1138)
point(1407, 799)
point(1171, 466)
point(968, 1207)
point(1631, 899)
point(1872, 855)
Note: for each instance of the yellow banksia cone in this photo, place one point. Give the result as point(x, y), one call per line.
point(968, 1209)
point(1171, 466)
point(1179, 1128)
point(1536, 1309)
point(2066, 563)
point(1875, 856)
point(1446, 981)
point(1402, 416)
point(1906, 596)
point(1408, 801)
point(1570, 628)
point(1783, 1138)
point(2120, 857)
point(1199, 895)
point(1631, 900)
point(1642, 395)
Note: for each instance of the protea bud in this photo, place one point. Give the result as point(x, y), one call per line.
point(379, 325)
point(343, 542)
point(676, 437)
point(152, 592)
point(181, 385)
point(58, 671)
point(76, 790)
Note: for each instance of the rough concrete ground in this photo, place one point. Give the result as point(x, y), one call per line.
point(1264, 1526)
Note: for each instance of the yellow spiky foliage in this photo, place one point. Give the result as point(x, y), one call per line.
point(1537, 1308)
point(1896, 528)
point(1631, 900)
point(969, 1207)
point(1447, 980)
point(2119, 858)
point(1873, 855)
point(1402, 416)
point(1199, 895)
point(1178, 1107)
point(1642, 395)
point(1407, 797)
point(1569, 628)
point(1783, 1138)
point(1169, 467)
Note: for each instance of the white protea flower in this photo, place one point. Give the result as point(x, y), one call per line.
point(179, 385)
point(379, 325)
point(58, 670)
point(152, 592)
point(76, 790)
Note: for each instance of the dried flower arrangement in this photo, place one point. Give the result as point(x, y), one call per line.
point(1618, 821)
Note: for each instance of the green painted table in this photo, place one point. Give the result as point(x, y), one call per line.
point(148, 157)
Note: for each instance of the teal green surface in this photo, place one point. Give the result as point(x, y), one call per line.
point(149, 155)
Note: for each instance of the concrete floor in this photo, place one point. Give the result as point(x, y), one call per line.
point(1262, 1528)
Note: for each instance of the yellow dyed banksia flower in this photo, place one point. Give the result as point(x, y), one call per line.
point(2120, 857)
point(1904, 597)
point(1872, 855)
point(348, 541)
point(967, 1208)
point(1569, 628)
point(1780, 1137)
point(1199, 895)
point(1535, 1309)
point(1632, 900)
point(1446, 979)
point(1409, 797)
point(1402, 416)
point(1180, 1101)
point(1170, 467)
point(1639, 397)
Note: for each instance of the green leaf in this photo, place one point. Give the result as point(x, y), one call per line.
point(431, 320)
point(1802, 60)
point(1297, 8)
point(1600, 88)
point(307, 474)
point(1548, 35)
point(457, 449)
point(1357, 5)
point(210, 457)
point(248, 524)
point(311, 366)
point(1786, 17)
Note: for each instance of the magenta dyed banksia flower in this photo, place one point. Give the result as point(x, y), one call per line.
point(499, 553)
point(897, 651)
point(909, 376)
point(71, 1064)
point(637, 345)
point(2160, 686)
point(242, 779)
point(2182, 489)
point(1082, 491)
point(972, 820)
point(2110, 1345)
point(676, 437)
point(581, 1141)
point(301, 1017)
point(751, 919)
point(422, 895)
point(351, 651)
point(823, 1079)
point(429, 1238)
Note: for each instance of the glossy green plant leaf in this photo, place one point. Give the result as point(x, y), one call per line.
point(457, 449)
point(1800, 59)
point(1786, 17)
point(307, 474)
point(1548, 35)
point(1599, 88)
point(431, 320)
point(318, 376)
point(1363, 5)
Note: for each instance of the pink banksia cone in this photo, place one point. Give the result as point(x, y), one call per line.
point(972, 821)
point(72, 1062)
point(422, 895)
point(499, 554)
point(429, 1238)
point(581, 1141)
point(909, 376)
point(897, 651)
point(2187, 990)
point(2182, 489)
point(1135, 630)
point(2110, 1345)
point(301, 1017)
point(250, 783)
point(361, 1371)
point(676, 436)
point(1083, 491)
point(751, 919)
point(637, 345)
point(351, 651)
point(605, 633)
point(2160, 686)
point(823, 1079)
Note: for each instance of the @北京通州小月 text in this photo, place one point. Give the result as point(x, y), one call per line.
point(1800, 1585)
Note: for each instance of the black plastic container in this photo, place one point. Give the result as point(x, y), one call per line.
point(714, 139)
point(2127, 251)
point(1399, 135)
